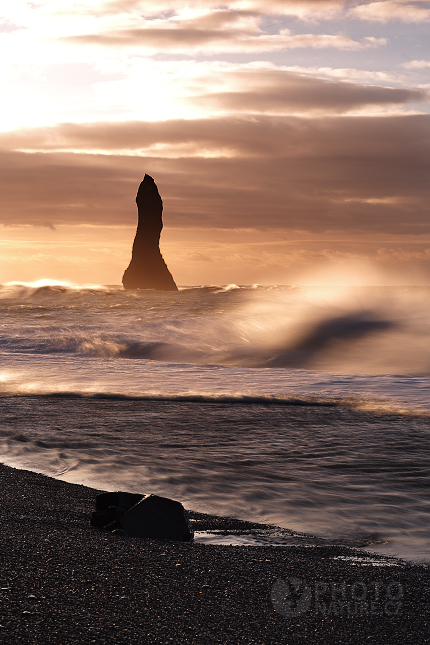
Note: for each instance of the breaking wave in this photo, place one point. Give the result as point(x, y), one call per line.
point(45, 287)
point(359, 330)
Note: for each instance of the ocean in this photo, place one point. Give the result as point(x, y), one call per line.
point(303, 407)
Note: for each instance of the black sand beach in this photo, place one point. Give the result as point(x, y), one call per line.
point(63, 582)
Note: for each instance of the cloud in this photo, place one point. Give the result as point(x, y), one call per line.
point(243, 137)
point(199, 257)
point(416, 64)
point(281, 92)
point(402, 255)
point(206, 28)
point(389, 10)
point(181, 39)
point(300, 8)
point(212, 88)
point(209, 13)
point(205, 90)
point(7, 27)
point(332, 174)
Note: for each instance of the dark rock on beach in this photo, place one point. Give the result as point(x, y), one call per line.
point(144, 516)
point(147, 269)
point(62, 582)
point(110, 507)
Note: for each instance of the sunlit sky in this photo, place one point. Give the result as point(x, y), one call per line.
point(290, 140)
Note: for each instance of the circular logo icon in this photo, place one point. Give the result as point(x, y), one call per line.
point(291, 598)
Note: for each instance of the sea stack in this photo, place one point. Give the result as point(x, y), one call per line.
point(147, 269)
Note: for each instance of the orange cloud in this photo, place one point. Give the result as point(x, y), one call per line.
point(242, 138)
point(180, 38)
point(274, 91)
point(333, 174)
point(205, 27)
point(281, 92)
point(196, 23)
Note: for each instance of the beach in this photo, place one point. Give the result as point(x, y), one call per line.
point(63, 581)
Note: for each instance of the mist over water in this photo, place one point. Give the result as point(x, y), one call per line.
point(357, 330)
point(305, 407)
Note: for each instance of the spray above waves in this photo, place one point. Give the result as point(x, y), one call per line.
point(45, 287)
point(347, 330)
point(327, 343)
point(315, 342)
point(325, 337)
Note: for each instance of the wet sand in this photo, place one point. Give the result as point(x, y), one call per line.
point(62, 581)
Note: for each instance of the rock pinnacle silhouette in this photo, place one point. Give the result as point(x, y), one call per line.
point(147, 269)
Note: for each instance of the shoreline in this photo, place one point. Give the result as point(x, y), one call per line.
point(62, 581)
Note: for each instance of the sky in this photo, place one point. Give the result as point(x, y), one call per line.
point(289, 139)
